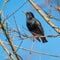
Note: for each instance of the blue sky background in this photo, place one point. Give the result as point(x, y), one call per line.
point(53, 45)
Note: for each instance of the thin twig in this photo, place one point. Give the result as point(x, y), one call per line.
point(17, 26)
point(42, 53)
point(39, 10)
point(18, 32)
point(16, 10)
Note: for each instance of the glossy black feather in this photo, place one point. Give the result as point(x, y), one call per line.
point(34, 26)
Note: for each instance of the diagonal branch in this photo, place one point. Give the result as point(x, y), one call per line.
point(16, 11)
point(42, 53)
point(10, 41)
point(7, 51)
point(39, 10)
point(6, 34)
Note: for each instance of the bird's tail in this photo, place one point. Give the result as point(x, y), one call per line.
point(44, 39)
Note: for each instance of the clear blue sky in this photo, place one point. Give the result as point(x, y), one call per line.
point(53, 45)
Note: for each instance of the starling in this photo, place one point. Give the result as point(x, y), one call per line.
point(34, 26)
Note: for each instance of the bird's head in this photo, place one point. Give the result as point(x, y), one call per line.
point(29, 15)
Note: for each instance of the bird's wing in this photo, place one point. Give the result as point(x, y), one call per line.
point(39, 26)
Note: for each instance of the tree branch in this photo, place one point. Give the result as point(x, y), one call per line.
point(39, 10)
point(10, 41)
point(6, 34)
point(42, 53)
point(7, 51)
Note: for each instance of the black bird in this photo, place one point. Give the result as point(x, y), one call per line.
point(34, 26)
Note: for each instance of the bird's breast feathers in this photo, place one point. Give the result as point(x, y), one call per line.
point(32, 21)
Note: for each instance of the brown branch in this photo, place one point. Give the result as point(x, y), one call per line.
point(42, 53)
point(10, 41)
point(7, 51)
point(42, 36)
point(39, 10)
point(25, 36)
point(50, 16)
point(6, 34)
point(0, 11)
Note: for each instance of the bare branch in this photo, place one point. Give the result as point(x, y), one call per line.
point(18, 32)
point(25, 36)
point(7, 51)
point(42, 53)
point(6, 33)
point(16, 10)
point(44, 16)
point(17, 26)
point(43, 36)
point(10, 41)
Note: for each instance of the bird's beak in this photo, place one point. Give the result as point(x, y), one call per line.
point(24, 12)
